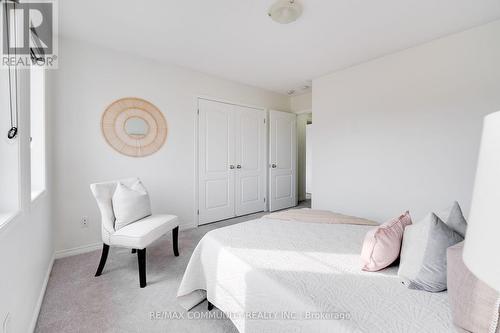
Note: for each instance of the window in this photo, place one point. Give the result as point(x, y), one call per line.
point(37, 117)
point(9, 151)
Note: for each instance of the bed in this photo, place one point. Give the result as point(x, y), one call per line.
point(274, 275)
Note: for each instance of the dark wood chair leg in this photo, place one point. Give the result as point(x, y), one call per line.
point(104, 256)
point(141, 257)
point(175, 237)
point(133, 251)
point(210, 306)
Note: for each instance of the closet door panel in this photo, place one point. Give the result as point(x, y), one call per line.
point(216, 156)
point(250, 156)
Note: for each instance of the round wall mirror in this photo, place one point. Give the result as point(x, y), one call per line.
point(134, 127)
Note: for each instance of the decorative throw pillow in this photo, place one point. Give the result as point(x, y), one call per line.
point(382, 244)
point(423, 255)
point(474, 305)
point(130, 204)
point(454, 219)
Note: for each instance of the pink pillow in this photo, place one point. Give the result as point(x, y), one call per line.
point(382, 245)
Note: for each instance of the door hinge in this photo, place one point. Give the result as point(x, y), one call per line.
point(198, 112)
point(198, 212)
point(264, 199)
point(264, 121)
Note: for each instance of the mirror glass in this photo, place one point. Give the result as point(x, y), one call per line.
point(136, 127)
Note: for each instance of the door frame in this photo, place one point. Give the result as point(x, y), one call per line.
point(196, 151)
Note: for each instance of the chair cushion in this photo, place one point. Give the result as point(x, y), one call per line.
point(130, 204)
point(140, 234)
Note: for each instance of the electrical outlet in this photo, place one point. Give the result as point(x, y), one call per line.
point(84, 222)
point(6, 324)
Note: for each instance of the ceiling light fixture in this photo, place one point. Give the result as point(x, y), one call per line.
point(285, 11)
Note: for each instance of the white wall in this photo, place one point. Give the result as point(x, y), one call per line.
point(26, 247)
point(402, 132)
point(89, 78)
point(26, 241)
point(301, 102)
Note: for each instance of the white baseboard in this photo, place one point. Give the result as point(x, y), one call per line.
point(78, 250)
point(38, 305)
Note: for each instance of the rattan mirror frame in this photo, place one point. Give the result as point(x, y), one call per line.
point(113, 127)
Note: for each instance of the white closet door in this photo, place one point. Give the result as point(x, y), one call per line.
point(250, 175)
point(282, 160)
point(216, 161)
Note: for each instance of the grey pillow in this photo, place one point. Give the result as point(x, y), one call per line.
point(454, 219)
point(423, 254)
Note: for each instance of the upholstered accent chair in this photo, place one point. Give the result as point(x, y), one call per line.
point(135, 236)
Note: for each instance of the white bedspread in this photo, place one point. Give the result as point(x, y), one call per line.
point(263, 274)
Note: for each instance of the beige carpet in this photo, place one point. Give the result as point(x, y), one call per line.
point(76, 301)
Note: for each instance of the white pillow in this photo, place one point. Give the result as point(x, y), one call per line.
point(130, 204)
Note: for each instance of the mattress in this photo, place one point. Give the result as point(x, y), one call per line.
point(284, 276)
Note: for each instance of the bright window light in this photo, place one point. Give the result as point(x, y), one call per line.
point(9, 153)
point(37, 102)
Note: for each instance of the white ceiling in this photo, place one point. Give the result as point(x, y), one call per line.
point(235, 39)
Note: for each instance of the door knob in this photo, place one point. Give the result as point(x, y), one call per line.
point(231, 167)
point(238, 166)
point(273, 166)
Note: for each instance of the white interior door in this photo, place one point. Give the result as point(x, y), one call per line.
point(282, 160)
point(216, 161)
point(250, 176)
